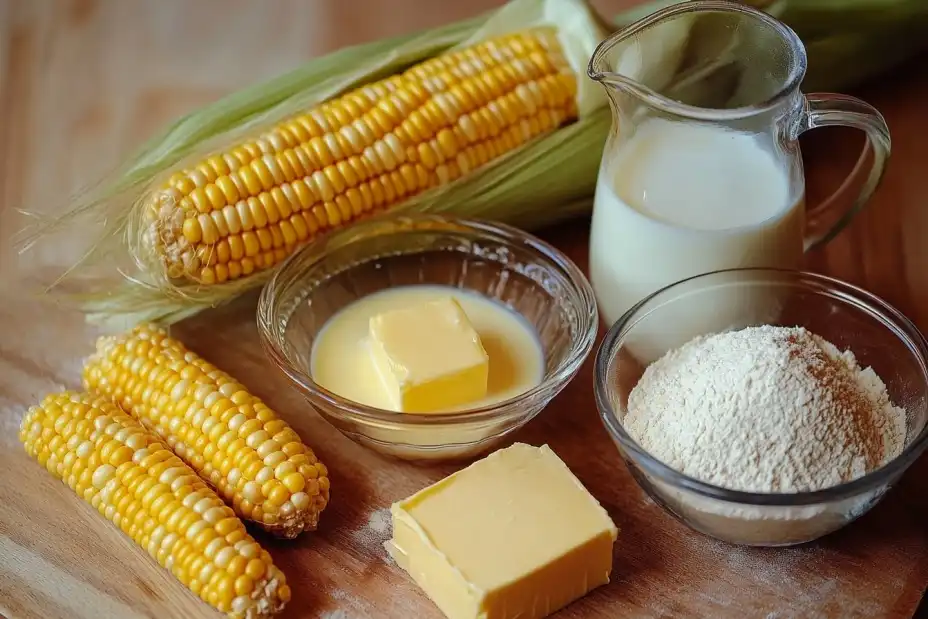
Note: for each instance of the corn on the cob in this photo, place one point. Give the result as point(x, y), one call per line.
point(255, 461)
point(127, 474)
point(248, 208)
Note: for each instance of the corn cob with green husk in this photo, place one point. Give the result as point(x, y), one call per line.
point(491, 117)
point(248, 207)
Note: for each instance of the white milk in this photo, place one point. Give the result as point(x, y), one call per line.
point(679, 199)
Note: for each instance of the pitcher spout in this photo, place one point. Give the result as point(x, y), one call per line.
point(701, 58)
point(643, 58)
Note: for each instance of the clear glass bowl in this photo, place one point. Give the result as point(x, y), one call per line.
point(851, 318)
point(503, 263)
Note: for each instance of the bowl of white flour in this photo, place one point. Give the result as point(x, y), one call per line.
point(772, 425)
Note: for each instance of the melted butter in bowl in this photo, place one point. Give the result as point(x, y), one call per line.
point(530, 306)
point(342, 361)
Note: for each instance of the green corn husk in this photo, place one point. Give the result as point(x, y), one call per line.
point(547, 180)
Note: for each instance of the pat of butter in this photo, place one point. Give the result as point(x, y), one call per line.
point(429, 357)
point(514, 535)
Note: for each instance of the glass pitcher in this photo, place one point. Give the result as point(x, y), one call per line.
point(702, 169)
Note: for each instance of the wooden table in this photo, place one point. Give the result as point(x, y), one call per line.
point(82, 81)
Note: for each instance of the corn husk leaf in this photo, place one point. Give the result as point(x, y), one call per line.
point(545, 181)
point(134, 295)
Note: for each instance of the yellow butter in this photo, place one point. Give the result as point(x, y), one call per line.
point(515, 535)
point(429, 357)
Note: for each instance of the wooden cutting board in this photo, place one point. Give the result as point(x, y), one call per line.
point(72, 98)
point(60, 560)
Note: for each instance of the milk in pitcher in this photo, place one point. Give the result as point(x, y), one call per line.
point(680, 198)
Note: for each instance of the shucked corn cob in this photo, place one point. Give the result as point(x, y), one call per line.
point(255, 461)
point(127, 474)
point(248, 208)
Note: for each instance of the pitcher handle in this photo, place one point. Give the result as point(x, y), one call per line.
point(826, 220)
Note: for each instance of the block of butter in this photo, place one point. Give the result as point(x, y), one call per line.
point(515, 535)
point(429, 356)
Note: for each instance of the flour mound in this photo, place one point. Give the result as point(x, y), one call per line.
point(765, 409)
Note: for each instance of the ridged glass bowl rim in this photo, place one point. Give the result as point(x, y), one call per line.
point(269, 312)
point(840, 291)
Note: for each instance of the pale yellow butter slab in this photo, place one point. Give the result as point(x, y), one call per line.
point(429, 357)
point(515, 535)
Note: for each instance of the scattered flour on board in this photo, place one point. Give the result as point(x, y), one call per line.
point(375, 531)
point(372, 535)
point(777, 571)
point(379, 522)
point(352, 607)
point(777, 568)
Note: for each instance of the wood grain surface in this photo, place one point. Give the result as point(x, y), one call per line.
point(83, 81)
